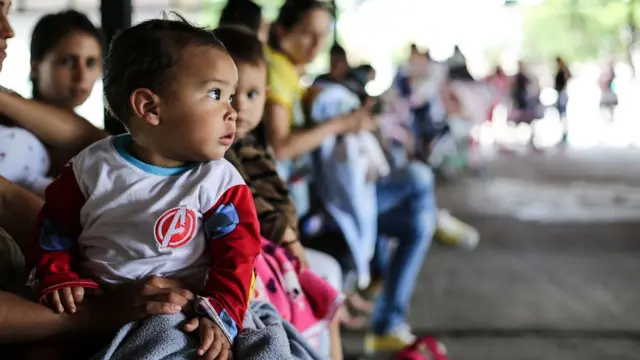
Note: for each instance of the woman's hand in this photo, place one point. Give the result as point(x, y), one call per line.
point(359, 120)
point(154, 296)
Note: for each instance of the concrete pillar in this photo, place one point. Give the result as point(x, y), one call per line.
point(115, 15)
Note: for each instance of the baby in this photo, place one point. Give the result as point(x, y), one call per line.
point(160, 200)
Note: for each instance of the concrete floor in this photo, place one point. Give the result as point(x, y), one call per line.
point(559, 290)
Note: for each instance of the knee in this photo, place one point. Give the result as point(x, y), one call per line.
point(421, 177)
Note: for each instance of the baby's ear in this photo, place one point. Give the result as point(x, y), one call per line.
point(144, 104)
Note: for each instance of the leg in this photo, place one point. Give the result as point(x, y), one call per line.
point(407, 209)
point(378, 268)
point(335, 340)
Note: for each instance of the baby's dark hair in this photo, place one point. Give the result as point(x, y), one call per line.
point(242, 12)
point(242, 44)
point(145, 56)
point(52, 28)
point(291, 13)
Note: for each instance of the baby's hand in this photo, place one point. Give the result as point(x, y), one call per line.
point(214, 345)
point(65, 299)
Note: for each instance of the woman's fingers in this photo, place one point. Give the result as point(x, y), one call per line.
point(159, 308)
point(158, 282)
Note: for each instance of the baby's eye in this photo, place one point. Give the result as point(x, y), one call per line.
point(231, 98)
point(252, 94)
point(214, 94)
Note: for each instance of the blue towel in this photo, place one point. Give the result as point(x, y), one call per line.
point(265, 337)
point(154, 338)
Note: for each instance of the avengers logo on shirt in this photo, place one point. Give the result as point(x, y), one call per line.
point(175, 228)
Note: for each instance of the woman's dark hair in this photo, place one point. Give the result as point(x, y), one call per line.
point(242, 44)
point(338, 51)
point(54, 27)
point(291, 13)
point(242, 12)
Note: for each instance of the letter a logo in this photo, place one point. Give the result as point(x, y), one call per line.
point(175, 228)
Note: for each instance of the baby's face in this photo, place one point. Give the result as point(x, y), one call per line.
point(250, 96)
point(197, 121)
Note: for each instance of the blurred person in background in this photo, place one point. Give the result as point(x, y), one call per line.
point(608, 97)
point(405, 206)
point(41, 134)
point(245, 13)
point(338, 66)
point(561, 79)
point(457, 64)
point(296, 37)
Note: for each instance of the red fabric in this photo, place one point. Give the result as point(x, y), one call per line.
point(425, 348)
point(55, 269)
point(233, 257)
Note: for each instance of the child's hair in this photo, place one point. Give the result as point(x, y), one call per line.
point(291, 13)
point(242, 12)
point(52, 28)
point(145, 56)
point(243, 45)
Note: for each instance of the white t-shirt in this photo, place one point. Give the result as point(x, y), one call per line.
point(110, 218)
point(23, 159)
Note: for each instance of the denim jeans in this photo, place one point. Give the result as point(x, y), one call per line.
point(407, 212)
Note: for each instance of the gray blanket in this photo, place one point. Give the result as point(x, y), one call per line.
point(265, 336)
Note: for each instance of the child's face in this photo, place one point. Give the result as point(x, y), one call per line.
point(196, 119)
point(250, 97)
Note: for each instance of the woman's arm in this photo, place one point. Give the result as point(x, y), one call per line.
point(287, 143)
point(54, 126)
point(24, 320)
point(19, 209)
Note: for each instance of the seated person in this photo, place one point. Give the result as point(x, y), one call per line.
point(276, 212)
point(38, 136)
point(245, 13)
point(183, 211)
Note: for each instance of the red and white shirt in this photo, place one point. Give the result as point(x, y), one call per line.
point(109, 219)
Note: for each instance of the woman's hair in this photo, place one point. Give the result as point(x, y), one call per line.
point(242, 44)
point(242, 12)
point(54, 27)
point(291, 13)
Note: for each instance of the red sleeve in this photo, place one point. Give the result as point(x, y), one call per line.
point(233, 235)
point(52, 252)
